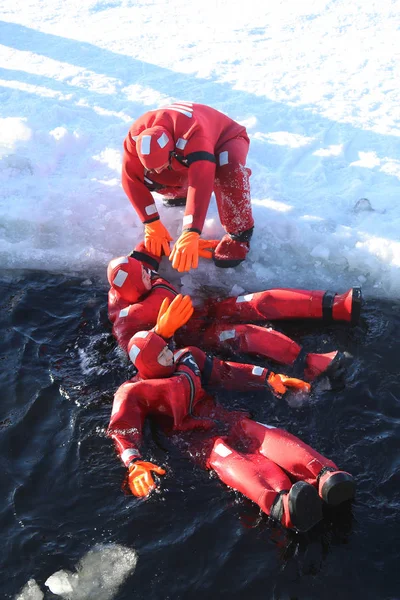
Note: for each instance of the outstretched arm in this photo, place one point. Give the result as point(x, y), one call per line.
point(240, 376)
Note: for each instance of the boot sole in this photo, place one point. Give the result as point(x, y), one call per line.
point(304, 506)
point(338, 365)
point(339, 488)
point(336, 372)
point(225, 264)
point(356, 304)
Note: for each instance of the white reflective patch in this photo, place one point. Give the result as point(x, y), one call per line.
point(222, 450)
point(120, 278)
point(142, 334)
point(133, 353)
point(178, 354)
point(227, 335)
point(246, 298)
point(187, 219)
point(134, 137)
point(128, 454)
point(257, 370)
point(163, 140)
point(150, 209)
point(186, 108)
point(124, 312)
point(223, 158)
point(181, 143)
point(122, 260)
point(181, 110)
point(266, 426)
point(184, 104)
point(145, 144)
point(147, 180)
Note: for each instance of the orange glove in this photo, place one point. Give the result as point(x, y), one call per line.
point(207, 247)
point(140, 479)
point(279, 384)
point(157, 238)
point(185, 253)
point(172, 316)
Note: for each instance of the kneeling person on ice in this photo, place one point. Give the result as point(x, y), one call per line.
point(284, 476)
point(185, 151)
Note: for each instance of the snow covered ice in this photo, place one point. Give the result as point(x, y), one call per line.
point(315, 83)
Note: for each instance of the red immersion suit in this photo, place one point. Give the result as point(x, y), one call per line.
point(284, 476)
point(209, 154)
point(133, 305)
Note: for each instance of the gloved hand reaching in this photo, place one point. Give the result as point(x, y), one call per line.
point(280, 383)
point(185, 253)
point(140, 479)
point(207, 247)
point(172, 316)
point(157, 238)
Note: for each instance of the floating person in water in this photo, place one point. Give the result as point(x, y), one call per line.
point(284, 476)
point(137, 292)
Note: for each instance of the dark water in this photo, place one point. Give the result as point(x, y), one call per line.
point(195, 539)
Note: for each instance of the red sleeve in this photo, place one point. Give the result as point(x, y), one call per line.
point(226, 374)
point(237, 376)
point(131, 318)
point(135, 317)
point(200, 181)
point(201, 185)
point(133, 184)
point(127, 417)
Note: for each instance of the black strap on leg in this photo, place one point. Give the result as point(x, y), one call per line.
point(243, 236)
point(276, 511)
point(299, 364)
point(327, 306)
point(323, 471)
point(207, 370)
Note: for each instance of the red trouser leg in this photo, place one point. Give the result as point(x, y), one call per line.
point(232, 186)
point(281, 303)
point(260, 341)
point(255, 476)
point(288, 451)
point(254, 340)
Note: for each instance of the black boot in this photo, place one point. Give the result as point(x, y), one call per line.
point(174, 201)
point(302, 510)
point(336, 486)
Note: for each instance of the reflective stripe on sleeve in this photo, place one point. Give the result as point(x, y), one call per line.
point(150, 209)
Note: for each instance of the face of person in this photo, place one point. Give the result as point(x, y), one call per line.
point(159, 169)
point(146, 278)
point(166, 165)
point(166, 357)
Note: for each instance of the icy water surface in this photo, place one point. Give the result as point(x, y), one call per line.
point(62, 508)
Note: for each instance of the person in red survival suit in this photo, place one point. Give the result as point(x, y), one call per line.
point(284, 476)
point(185, 151)
point(137, 291)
